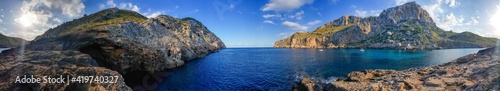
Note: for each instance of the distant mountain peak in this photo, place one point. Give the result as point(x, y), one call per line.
point(406, 26)
point(408, 11)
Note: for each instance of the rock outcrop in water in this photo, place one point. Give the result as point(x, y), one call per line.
point(402, 27)
point(474, 72)
point(10, 42)
point(111, 42)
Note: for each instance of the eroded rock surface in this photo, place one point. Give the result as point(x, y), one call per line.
point(110, 42)
point(407, 26)
point(474, 72)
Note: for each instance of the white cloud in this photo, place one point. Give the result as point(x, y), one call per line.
point(285, 5)
point(294, 26)
point(271, 16)
point(153, 14)
point(473, 21)
point(102, 6)
point(401, 2)
point(38, 15)
point(495, 21)
point(111, 3)
point(2, 31)
point(313, 22)
point(282, 34)
point(285, 34)
point(123, 5)
point(268, 21)
point(450, 21)
point(1, 21)
point(451, 3)
point(319, 14)
point(362, 13)
point(434, 10)
point(128, 6)
point(71, 8)
point(57, 20)
point(447, 21)
point(135, 8)
point(297, 15)
point(176, 7)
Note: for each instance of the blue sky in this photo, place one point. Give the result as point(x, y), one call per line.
point(247, 23)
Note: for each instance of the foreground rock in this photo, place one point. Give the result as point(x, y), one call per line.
point(474, 72)
point(407, 26)
point(111, 42)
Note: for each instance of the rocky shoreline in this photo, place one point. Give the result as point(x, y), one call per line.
point(479, 71)
point(407, 26)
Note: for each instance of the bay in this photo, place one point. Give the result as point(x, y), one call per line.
point(279, 68)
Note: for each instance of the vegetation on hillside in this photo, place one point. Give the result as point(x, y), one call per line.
point(323, 31)
point(6, 41)
point(104, 17)
point(473, 38)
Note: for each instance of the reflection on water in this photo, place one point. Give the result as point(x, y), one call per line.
point(276, 69)
point(2, 49)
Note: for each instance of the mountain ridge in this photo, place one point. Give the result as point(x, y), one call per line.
point(110, 42)
point(407, 26)
point(10, 42)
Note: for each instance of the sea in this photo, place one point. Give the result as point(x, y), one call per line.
point(2, 49)
point(278, 69)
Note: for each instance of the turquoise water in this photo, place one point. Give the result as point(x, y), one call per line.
point(276, 68)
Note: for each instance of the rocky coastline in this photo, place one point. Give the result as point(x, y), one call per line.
point(407, 26)
point(111, 42)
point(477, 72)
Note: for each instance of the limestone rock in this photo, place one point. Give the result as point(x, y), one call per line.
point(408, 25)
point(110, 42)
point(478, 71)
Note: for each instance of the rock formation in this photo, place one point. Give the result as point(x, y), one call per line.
point(10, 42)
point(110, 42)
point(402, 27)
point(474, 72)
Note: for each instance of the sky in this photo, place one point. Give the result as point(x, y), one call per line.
point(247, 23)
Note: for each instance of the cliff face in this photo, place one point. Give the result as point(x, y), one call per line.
point(9, 42)
point(110, 42)
point(402, 27)
point(474, 72)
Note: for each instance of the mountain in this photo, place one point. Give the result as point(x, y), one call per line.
point(402, 27)
point(10, 42)
point(111, 42)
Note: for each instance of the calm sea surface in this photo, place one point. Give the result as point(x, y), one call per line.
point(2, 49)
point(276, 68)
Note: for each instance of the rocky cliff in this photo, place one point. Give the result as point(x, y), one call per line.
point(10, 42)
point(402, 27)
point(474, 72)
point(110, 42)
